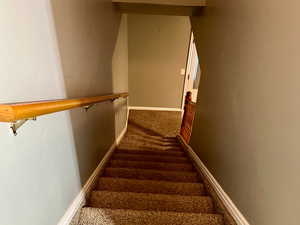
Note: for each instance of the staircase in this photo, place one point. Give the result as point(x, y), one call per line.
point(149, 181)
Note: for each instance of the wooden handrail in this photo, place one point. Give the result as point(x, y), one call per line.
point(13, 112)
point(188, 117)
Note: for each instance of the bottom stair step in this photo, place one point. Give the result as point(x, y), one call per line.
point(94, 216)
point(146, 201)
point(150, 186)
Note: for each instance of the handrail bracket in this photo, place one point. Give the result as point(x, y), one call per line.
point(17, 124)
point(114, 99)
point(88, 107)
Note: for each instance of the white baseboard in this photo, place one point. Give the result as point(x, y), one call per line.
point(127, 112)
point(154, 108)
point(120, 137)
point(228, 203)
point(81, 197)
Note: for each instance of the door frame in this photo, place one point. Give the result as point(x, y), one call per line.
point(189, 67)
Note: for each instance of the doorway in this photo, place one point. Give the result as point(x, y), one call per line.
point(190, 91)
point(193, 71)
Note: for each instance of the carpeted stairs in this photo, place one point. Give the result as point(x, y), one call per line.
point(149, 181)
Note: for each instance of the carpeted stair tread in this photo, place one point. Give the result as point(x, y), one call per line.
point(142, 174)
point(151, 165)
point(150, 186)
point(151, 137)
point(148, 147)
point(149, 180)
point(94, 216)
point(153, 158)
point(136, 139)
point(150, 152)
point(148, 201)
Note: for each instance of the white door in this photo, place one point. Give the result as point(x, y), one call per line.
point(193, 72)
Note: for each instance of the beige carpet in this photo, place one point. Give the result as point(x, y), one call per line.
point(155, 123)
point(149, 181)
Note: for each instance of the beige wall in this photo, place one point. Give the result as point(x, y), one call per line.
point(120, 75)
point(44, 168)
point(247, 125)
point(87, 43)
point(157, 51)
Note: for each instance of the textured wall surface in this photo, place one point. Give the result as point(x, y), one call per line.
point(158, 47)
point(52, 50)
point(247, 125)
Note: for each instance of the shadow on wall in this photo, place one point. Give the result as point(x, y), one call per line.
point(86, 43)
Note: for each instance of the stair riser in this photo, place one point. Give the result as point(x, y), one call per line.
point(151, 175)
point(154, 145)
point(149, 165)
point(149, 147)
point(150, 152)
point(143, 146)
point(142, 186)
point(133, 157)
